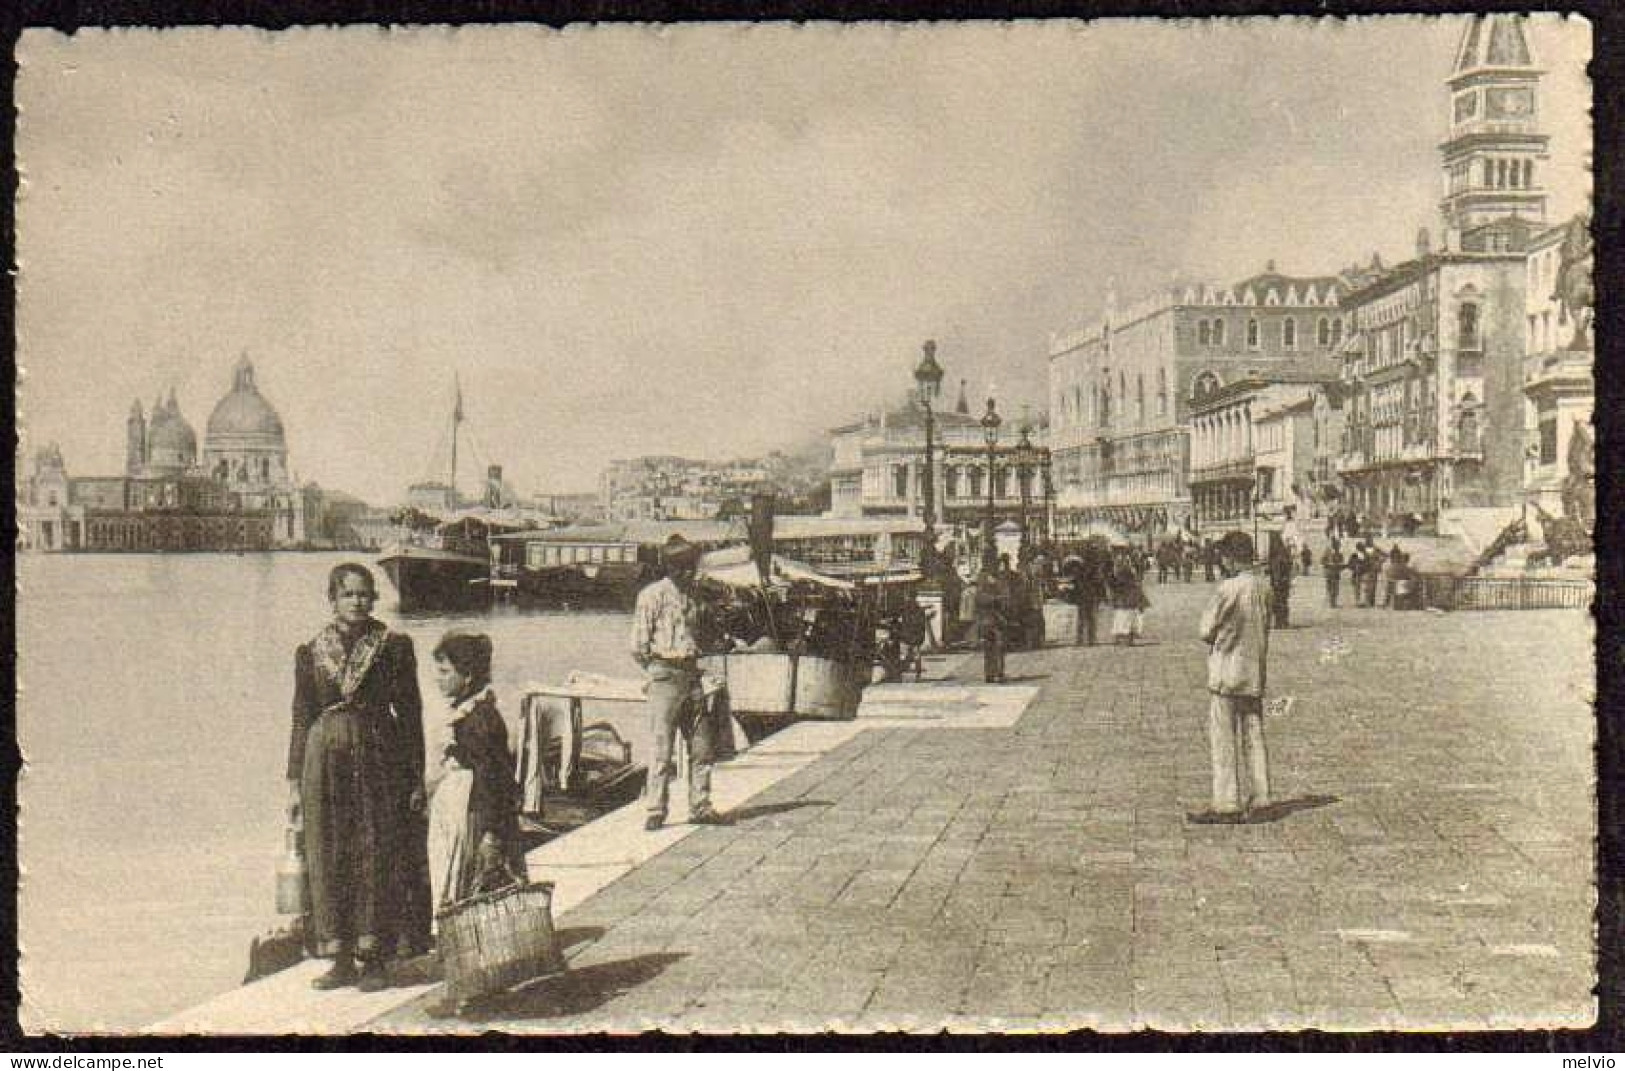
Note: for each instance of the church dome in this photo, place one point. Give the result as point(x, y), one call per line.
point(244, 414)
point(173, 436)
point(171, 442)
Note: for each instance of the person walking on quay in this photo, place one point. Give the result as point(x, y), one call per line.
point(1374, 561)
point(1210, 559)
point(1331, 565)
point(1306, 558)
point(992, 598)
point(473, 797)
point(1390, 574)
point(1280, 573)
point(1356, 565)
point(665, 626)
point(355, 775)
point(1236, 628)
point(1087, 573)
point(1129, 601)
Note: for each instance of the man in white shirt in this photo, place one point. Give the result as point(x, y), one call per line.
point(664, 623)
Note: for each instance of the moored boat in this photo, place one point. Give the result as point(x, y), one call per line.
point(428, 578)
point(603, 565)
point(438, 563)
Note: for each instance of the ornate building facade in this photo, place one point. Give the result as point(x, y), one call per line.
point(1122, 391)
point(1433, 367)
point(878, 469)
point(1253, 446)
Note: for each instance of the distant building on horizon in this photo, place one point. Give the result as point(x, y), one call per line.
point(238, 495)
point(668, 488)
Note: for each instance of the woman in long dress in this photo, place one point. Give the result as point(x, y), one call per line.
point(355, 769)
point(473, 798)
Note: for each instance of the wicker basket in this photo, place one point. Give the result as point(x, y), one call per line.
point(494, 941)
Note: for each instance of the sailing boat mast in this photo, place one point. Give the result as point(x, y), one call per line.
point(456, 423)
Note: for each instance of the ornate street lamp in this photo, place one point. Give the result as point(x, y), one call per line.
point(928, 379)
point(1026, 461)
point(990, 433)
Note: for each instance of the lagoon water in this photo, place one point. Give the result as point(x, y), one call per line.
point(152, 715)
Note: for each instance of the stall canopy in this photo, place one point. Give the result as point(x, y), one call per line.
point(733, 566)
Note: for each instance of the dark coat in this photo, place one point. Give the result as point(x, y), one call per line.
point(356, 748)
point(479, 742)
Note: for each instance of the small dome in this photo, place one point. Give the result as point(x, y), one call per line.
point(171, 442)
point(244, 413)
point(172, 435)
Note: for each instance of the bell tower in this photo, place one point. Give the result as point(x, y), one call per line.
point(1495, 157)
point(135, 441)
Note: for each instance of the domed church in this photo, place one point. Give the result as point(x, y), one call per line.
point(244, 444)
point(245, 448)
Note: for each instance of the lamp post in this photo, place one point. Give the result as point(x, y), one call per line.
point(1046, 468)
point(1255, 501)
point(928, 379)
point(1026, 461)
point(990, 434)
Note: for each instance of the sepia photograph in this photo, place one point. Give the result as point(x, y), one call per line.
point(781, 528)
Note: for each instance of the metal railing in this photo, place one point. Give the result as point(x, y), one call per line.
point(1448, 592)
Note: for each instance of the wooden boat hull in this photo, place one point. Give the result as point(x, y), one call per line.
point(434, 580)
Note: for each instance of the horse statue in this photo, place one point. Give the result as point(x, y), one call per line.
point(1575, 288)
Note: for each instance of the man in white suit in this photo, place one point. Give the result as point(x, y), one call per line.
point(1236, 628)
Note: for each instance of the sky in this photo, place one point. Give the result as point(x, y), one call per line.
point(710, 241)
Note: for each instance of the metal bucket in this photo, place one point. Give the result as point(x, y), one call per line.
point(759, 682)
point(825, 689)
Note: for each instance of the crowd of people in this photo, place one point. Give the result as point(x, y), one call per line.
point(1377, 578)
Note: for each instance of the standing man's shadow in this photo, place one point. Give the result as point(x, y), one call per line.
point(1280, 809)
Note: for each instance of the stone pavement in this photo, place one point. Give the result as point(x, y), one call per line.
point(1428, 866)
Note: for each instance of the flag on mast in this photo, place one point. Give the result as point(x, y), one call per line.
point(457, 410)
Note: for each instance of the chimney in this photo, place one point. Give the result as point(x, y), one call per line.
point(493, 486)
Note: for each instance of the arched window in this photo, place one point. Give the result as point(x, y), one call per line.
point(1206, 384)
point(1105, 398)
point(974, 476)
point(1162, 392)
point(899, 476)
point(1218, 332)
point(1323, 332)
point(1139, 397)
point(1289, 333)
point(1204, 333)
point(952, 480)
point(1529, 174)
point(1467, 327)
point(1252, 334)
